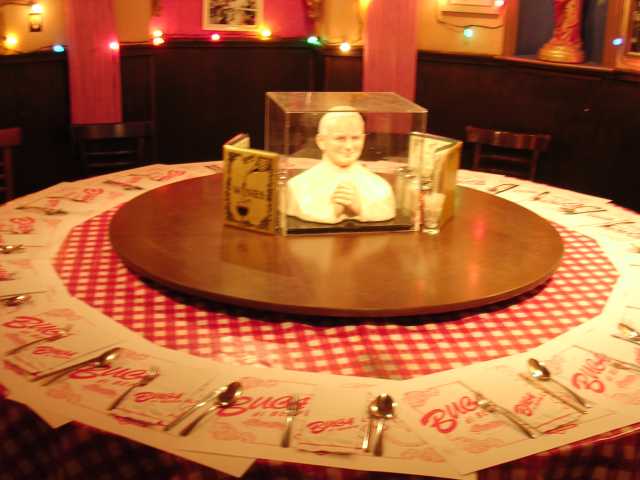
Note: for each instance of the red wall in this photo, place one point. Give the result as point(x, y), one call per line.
point(285, 18)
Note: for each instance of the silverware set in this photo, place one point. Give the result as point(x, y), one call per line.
point(64, 197)
point(577, 209)
point(492, 407)
point(45, 210)
point(503, 187)
point(540, 373)
point(15, 300)
point(220, 398)
point(102, 360)
point(124, 185)
point(7, 249)
point(628, 334)
point(619, 364)
point(64, 332)
point(538, 196)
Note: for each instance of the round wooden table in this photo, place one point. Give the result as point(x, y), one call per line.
point(490, 251)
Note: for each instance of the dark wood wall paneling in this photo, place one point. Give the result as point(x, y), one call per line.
point(588, 111)
point(34, 96)
point(200, 94)
point(206, 93)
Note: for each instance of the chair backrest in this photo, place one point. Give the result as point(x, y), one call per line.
point(9, 138)
point(511, 153)
point(108, 147)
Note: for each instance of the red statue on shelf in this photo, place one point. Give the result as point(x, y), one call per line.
point(566, 43)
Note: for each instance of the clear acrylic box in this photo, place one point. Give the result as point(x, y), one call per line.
point(344, 161)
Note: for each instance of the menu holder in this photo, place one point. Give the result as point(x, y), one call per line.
point(439, 161)
point(250, 186)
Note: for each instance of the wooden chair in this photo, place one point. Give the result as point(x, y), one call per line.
point(109, 147)
point(509, 153)
point(9, 138)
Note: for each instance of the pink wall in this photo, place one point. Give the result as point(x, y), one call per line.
point(94, 69)
point(285, 18)
point(390, 47)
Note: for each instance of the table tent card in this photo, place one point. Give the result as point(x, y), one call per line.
point(250, 198)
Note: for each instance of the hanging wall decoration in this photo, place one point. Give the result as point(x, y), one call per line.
point(232, 14)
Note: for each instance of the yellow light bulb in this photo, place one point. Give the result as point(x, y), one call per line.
point(157, 33)
point(11, 40)
point(345, 47)
point(37, 8)
point(364, 5)
point(265, 32)
point(158, 41)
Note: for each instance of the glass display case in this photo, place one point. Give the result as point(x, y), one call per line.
point(344, 162)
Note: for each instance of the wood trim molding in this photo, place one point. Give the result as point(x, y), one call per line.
point(614, 27)
point(510, 36)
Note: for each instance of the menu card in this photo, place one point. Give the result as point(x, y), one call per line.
point(20, 275)
point(334, 426)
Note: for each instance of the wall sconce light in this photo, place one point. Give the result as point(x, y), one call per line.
point(10, 41)
point(35, 18)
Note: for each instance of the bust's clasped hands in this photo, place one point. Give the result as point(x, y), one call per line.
point(346, 200)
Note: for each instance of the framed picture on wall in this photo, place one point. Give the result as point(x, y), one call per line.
point(232, 14)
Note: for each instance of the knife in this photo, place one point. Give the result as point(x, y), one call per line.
point(203, 401)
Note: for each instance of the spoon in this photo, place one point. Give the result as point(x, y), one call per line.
point(7, 249)
point(226, 397)
point(367, 434)
point(16, 300)
point(629, 332)
point(382, 408)
point(104, 359)
point(148, 377)
point(540, 372)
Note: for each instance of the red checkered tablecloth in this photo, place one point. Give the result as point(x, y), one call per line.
point(394, 348)
point(389, 348)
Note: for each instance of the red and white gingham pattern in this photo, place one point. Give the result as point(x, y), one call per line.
point(395, 348)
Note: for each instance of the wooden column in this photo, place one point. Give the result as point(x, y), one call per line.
point(390, 50)
point(94, 69)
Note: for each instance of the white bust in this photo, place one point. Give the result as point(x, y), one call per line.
point(339, 187)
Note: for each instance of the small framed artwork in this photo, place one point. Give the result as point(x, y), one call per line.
point(232, 14)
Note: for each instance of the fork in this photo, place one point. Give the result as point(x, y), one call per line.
point(148, 377)
point(492, 407)
point(293, 408)
point(64, 331)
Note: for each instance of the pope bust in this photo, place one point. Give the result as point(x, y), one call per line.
point(339, 187)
